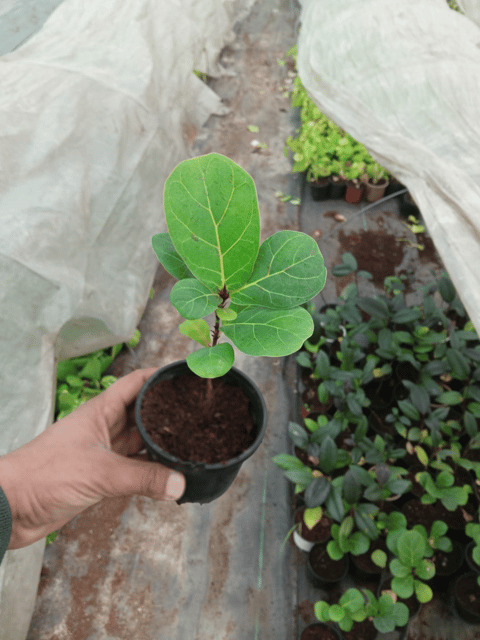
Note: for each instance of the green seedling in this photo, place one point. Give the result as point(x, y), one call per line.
point(411, 564)
point(356, 605)
point(213, 248)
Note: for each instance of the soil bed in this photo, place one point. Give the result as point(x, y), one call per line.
point(178, 419)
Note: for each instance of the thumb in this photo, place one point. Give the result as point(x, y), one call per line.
point(128, 476)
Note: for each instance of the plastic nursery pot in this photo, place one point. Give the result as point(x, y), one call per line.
point(307, 538)
point(204, 481)
point(353, 193)
point(320, 631)
point(321, 570)
point(472, 565)
point(337, 188)
point(374, 192)
point(447, 567)
point(466, 593)
point(320, 189)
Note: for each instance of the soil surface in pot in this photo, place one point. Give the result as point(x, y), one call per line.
point(318, 632)
point(324, 566)
point(180, 421)
point(361, 631)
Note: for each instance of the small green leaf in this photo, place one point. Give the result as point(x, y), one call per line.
point(193, 300)
point(288, 462)
point(312, 516)
point(449, 397)
point(92, 370)
point(169, 258)
point(135, 339)
point(253, 128)
point(379, 557)
point(212, 362)
point(423, 592)
point(228, 315)
point(197, 330)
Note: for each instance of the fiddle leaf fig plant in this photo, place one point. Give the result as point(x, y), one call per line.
point(213, 248)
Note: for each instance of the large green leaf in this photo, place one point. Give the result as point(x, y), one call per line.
point(212, 216)
point(168, 256)
point(212, 362)
point(270, 332)
point(410, 548)
point(288, 272)
point(193, 300)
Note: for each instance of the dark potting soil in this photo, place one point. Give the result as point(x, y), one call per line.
point(324, 566)
point(318, 632)
point(447, 563)
point(376, 251)
point(361, 631)
point(180, 421)
point(364, 560)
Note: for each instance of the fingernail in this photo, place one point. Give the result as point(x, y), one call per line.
point(175, 486)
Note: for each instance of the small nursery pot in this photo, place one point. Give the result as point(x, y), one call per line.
point(321, 570)
point(320, 631)
point(205, 482)
point(320, 189)
point(337, 188)
point(466, 593)
point(307, 538)
point(354, 193)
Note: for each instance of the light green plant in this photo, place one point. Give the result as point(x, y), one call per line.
point(213, 248)
point(356, 605)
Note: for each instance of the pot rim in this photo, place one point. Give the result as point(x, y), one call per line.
point(217, 466)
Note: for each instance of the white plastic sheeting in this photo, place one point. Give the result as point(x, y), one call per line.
point(95, 111)
point(403, 78)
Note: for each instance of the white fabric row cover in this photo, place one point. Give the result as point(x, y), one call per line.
point(403, 78)
point(96, 109)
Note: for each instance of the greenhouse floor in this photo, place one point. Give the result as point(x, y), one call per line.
point(138, 569)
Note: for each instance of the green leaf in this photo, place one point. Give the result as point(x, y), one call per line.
point(327, 456)
point(212, 216)
point(352, 488)
point(446, 288)
point(410, 547)
point(168, 256)
point(270, 332)
point(322, 365)
point(317, 492)
point(321, 609)
point(403, 587)
point(228, 315)
point(374, 307)
point(197, 330)
point(459, 364)
point(425, 569)
point(289, 271)
point(449, 397)
point(379, 557)
point(334, 504)
point(336, 613)
point(92, 370)
point(423, 592)
point(211, 362)
point(193, 300)
point(312, 516)
point(287, 462)
point(298, 435)
point(66, 368)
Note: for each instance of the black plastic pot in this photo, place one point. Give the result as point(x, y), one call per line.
point(468, 609)
point(320, 189)
point(326, 580)
point(337, 189)
point(205, 482)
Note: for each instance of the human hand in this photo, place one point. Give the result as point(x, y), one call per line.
point(89, 455)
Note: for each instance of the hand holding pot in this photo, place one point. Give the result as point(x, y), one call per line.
point(89, 455)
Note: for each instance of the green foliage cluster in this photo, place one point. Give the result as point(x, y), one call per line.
point(213, 249)
point(321, 148)
point(82, 378)
point(424, 362)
